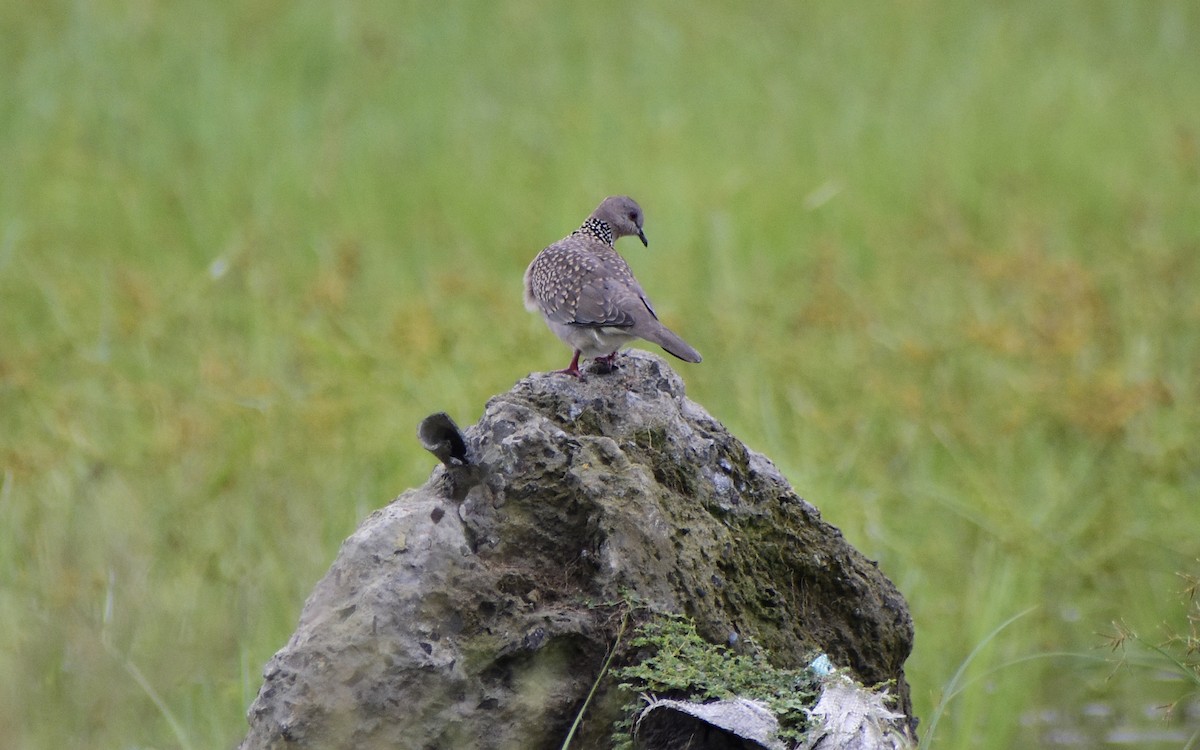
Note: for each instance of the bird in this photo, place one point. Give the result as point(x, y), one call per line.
point(588, 295)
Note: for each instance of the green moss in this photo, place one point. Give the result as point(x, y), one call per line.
point(683, 665)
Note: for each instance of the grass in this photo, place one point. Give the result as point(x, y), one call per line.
point(941, 260)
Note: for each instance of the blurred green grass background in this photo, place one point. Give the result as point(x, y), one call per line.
point(942, 260)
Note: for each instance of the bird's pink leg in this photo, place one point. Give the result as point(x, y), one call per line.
point(573, 368)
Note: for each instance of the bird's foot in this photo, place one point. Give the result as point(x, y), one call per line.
point(571, 369)
point(607, 363)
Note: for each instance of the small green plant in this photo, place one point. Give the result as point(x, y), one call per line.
point(958, 683)
point(681, 664)
point(1178, 652)
point(603, 671)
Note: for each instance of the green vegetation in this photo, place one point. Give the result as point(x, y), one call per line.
point(679, 664)
point(942, 261)
point(1177, 655)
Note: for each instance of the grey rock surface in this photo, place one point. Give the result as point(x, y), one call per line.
point(476, 611)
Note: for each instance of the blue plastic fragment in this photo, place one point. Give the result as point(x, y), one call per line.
point(821, 666)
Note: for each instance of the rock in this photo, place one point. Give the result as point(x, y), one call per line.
point(476, 611)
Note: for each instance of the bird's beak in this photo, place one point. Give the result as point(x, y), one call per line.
point(642, 237)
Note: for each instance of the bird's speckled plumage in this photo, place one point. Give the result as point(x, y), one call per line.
point(587, 293)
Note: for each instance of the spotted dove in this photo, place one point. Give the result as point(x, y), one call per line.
point(587, 294)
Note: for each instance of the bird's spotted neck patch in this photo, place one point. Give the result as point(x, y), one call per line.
point(597, 228)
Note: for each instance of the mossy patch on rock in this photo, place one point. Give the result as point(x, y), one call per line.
point(673, 661)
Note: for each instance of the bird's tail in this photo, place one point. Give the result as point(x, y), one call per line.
point(667, 339)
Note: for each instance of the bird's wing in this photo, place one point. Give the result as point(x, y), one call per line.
point(608, 301)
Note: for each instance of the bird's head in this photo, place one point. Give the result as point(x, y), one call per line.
point(623, 216)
